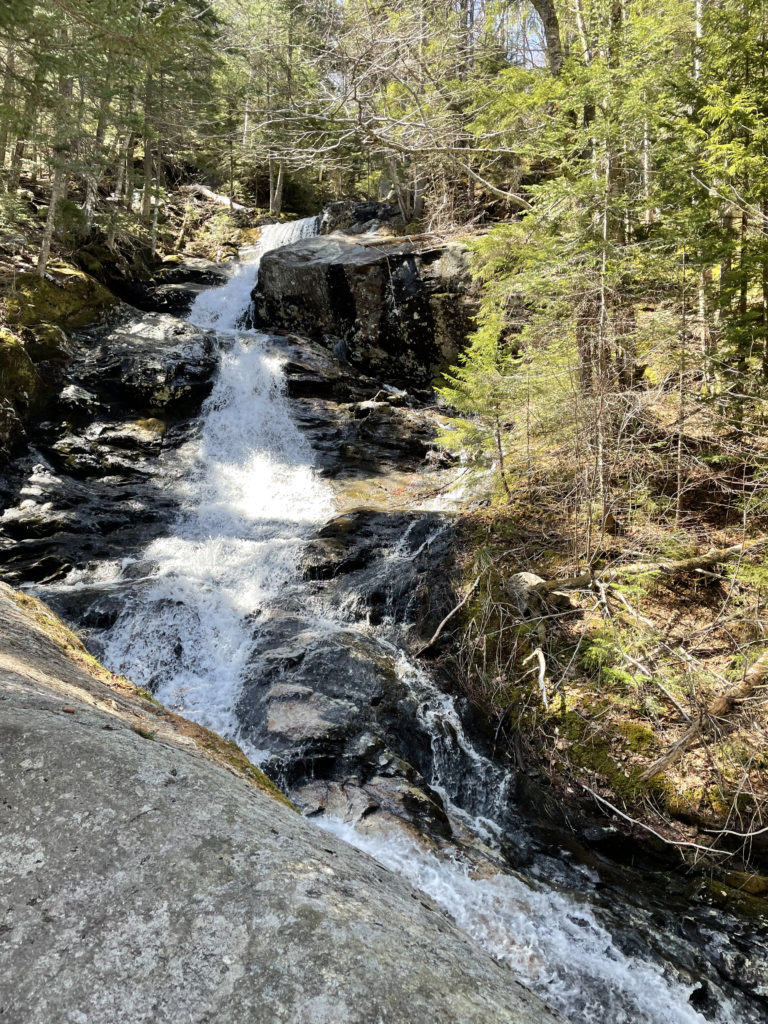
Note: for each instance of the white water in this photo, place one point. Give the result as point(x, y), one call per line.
point(223, 308)
point(554, 944)
point(249, 497)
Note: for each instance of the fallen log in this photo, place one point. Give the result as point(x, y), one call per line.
point(368, 243)
point(216, 197)
point(666, 567)
point(756, 677)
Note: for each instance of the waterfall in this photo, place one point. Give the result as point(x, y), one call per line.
point(224, 308)
point(249, 497)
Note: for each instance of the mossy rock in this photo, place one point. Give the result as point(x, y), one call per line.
point(66, 297)
point(20, 382)
point(736, 898)
point(153, 424)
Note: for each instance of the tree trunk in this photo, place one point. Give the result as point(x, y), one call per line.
point(62, 150)
point(146, 199)
point(276, 188)
point(7, 101)
point(58, 190)
point(94, 172)
point(27, 123)
point(551, 25)
point(130, 150)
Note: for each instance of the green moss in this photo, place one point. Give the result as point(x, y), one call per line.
point(20, 382)
point(46, 343)
point(145, 733)
point(231, 752)
point(640, 739)
point(153, 424)
point(66, 297)
point(147, 695)
point(735, 898)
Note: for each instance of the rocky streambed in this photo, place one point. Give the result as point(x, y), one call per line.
point(269, 568)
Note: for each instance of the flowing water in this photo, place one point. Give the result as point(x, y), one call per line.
point(249, 498)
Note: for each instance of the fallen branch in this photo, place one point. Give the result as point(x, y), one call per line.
point(640, 824)
point(449, 616)
point(368, 243)
point(216, 197)
point(754, 679)
point(539, 654)
point(647, 674)
point(667, 568)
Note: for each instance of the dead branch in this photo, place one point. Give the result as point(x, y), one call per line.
point(450, 615)
point(395, 239)
point(647, 674)
point(640, 824)
point(725, 705)
point(539, 655)
point(216, 197)
point(667, 568)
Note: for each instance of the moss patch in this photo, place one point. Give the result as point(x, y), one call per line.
point(66, 297)
point(20, 382)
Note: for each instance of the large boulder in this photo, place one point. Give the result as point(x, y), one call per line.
point(360, 218)
point(392, 310)
point(150, 364)
point(149, 871)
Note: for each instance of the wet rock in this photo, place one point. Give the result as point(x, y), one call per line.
point(21, 389)
point(67, 521)
point(391, 311)
point(175, 285)
point(126, 849)
point(389, 565)
point(312, 692)
point(77, 404)
point(156, 363)
point(328, 704)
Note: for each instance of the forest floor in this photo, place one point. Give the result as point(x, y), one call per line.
point(639, 694)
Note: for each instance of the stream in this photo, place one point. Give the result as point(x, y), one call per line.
point(253, 594)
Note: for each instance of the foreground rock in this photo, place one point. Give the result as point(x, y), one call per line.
point(396, 312)
point(154, 883)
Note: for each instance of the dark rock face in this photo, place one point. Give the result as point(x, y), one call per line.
point(391, 311)
point(360, 218)
point(330, 700)
point(158, 364)
point(91, 485)
point(174, 286)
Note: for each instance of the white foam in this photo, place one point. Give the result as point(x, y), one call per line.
point(224, 307)
point(249, 496)
point(555, 946)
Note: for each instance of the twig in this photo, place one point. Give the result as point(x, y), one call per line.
point(449, 616)
point(647, 674)
point(739, 835)
point(631, 610)
point(668, 568)
point(539, 654)
point(640, 824)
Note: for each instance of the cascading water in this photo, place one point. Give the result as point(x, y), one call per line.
point(249, 497)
